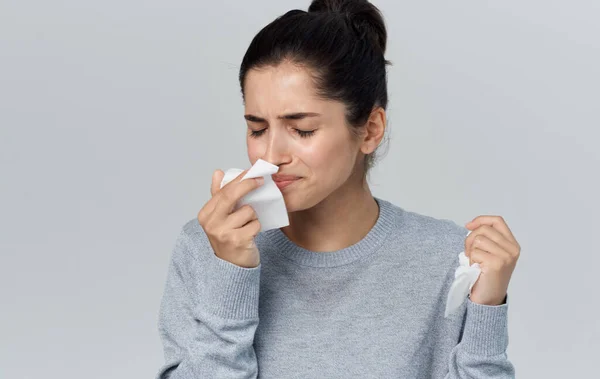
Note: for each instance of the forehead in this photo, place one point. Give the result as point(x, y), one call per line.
point(277, 89)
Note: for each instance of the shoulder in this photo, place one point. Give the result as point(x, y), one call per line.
point(424, 233)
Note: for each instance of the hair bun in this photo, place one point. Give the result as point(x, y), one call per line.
point(341, 6)
point(364, 17)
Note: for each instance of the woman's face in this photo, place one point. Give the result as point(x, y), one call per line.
point(305, 136)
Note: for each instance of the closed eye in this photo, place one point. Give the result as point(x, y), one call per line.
point(257, 133)
point(305, 133)
point(301, 133)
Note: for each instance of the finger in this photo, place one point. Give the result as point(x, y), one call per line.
point(497, 222)
point(242, 187)
point(217, 178)
point(482, 257)
point(241, 217)
point(228, 197)
point(490, 233)
point(232, 182)
point(216, 189)
point(481, 242)
point(251, 229)
point(210, 205)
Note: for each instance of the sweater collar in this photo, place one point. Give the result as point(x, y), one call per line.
point(285, 248)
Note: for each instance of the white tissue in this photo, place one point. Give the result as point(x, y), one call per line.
point(465, 277)
point(267, 200)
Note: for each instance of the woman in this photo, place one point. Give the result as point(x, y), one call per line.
point(355, 286)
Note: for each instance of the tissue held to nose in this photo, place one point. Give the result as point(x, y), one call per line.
point(231, 231)
point(267, 200)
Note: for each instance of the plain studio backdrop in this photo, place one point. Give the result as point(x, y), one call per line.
point(114, 114)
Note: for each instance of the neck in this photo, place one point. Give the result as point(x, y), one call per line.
point(340, 220)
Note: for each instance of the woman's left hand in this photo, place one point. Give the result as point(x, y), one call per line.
point(493, 246)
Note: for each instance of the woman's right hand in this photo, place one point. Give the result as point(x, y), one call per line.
point(231, 234)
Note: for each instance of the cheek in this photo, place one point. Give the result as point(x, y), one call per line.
point(254, 149)
point(331, 156)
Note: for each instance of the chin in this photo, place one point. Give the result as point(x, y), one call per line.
point(295, 202)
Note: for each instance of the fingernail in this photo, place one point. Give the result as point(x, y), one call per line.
point(260, 180)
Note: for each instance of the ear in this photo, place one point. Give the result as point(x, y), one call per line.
point(374, 131)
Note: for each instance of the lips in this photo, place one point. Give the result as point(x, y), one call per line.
point(282, 181)
point(284, 178)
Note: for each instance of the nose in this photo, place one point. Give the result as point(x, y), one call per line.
point(277, 151)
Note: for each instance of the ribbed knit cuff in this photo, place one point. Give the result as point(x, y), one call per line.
point(486, 328)
point(233, 290)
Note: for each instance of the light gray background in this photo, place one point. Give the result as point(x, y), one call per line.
point(114, 115)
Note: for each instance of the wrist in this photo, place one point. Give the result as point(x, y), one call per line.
point(489, 302)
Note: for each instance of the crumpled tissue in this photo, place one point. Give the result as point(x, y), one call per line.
point(267, 200)
point(465, 277)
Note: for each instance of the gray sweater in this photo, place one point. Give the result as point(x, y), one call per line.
point(372, 310)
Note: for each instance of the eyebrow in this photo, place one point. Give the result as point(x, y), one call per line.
point(289, 116)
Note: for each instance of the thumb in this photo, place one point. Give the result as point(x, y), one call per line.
point(216, 182)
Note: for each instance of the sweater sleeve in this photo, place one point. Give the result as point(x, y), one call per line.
point(481, 352)
point(208, 315)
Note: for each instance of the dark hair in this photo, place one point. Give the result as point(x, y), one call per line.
point(342, 42)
